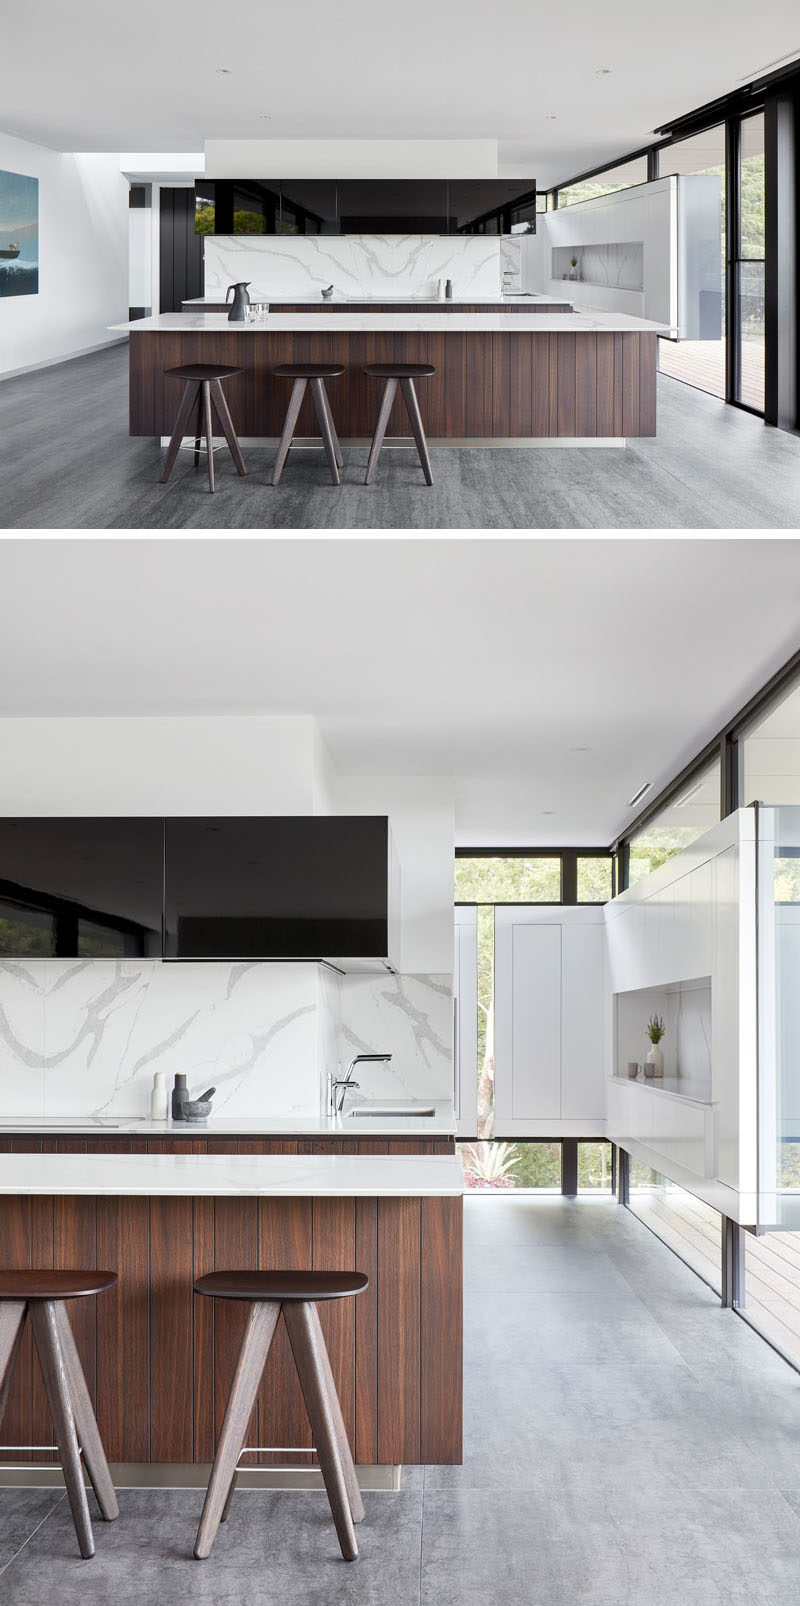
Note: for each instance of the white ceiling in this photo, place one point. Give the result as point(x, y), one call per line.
point(102, 75)
point(551, 678)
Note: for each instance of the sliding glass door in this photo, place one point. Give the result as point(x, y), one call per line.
point(701, 362)
point(747, 368)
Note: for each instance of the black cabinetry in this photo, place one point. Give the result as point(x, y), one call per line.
point(81, 888)
point(262, 887)
point(364, 206)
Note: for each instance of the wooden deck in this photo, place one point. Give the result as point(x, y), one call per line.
point(702, 363)
point(772, 1263)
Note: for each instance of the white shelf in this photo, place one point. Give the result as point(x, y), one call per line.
point(666, 1086)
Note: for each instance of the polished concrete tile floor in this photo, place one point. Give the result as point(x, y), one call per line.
point(627, 1441)
point(67, 462)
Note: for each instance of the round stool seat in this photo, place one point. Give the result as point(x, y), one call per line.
point(204, 371)
point(308, 370)
point(399, 370)
point(281, 1285)
point(26, 1285)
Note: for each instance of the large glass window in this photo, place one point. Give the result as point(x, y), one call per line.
point(606, 183)
point(685, 1223)
point(770, 751)
point(749, 266)
point(595, 879)
point(513, 880)
point(701, 362)
point(695, 808)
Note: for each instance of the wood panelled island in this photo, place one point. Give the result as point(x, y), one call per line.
point(530, 376)
point(159, 1359)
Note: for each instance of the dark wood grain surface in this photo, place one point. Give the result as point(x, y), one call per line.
point(159, 1359)
point(502, 385)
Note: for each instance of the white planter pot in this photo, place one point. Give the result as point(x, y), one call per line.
point(656, 1059)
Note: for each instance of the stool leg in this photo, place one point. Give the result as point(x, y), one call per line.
point(292, 414)
point(51, 1360)
point(220, 402)
point(197, 451)
point(337, 448)
point(321, 409)
point(229, 1500)
point(412, 408)
point(307, 1345)
point(342, 1441)
point(387, 402)
point(261, 1324)
point(190, 391)
point(12, 1321)
point(85, 1422)
point(209, 429)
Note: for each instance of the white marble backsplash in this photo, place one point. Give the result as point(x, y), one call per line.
point(410, 1017)
point(355, 264)
point(86, 1037)
point(511, 262)
point(619, 267)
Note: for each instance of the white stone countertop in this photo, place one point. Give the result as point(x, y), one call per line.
point(426, 321)
point(502, 299)
point(403, 1125)
point(213, 1176)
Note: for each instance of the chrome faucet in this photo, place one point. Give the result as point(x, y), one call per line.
point(337, 1086)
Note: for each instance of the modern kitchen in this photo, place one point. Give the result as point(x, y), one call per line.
point(346, 1137)
point(564, 295)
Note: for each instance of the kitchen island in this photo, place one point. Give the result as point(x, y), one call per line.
point(528, 378)
point(159, 1359)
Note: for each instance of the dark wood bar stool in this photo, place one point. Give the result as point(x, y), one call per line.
point(313, 374)
point(402, 374)
point(203, 384)
point(40, 1296)
point(292, 1294)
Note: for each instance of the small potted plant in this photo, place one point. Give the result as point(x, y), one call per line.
point(654, 1064)
point(573, 267)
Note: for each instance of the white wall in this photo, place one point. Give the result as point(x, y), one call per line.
point(206, 764)
point(351, 158)
point(422, 815)
point(83, 257)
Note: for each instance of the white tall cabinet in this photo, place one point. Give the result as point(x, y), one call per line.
point(549, 1022)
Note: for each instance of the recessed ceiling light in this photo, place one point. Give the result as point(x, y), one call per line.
point(602, 72)
point(580, 749)
point(548, 811)
point(224, 72)
point(265, 117)
point(637, 796)
point(551, 117)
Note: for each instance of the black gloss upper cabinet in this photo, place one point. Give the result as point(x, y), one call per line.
point(490, 205)
point(392, 206)
point(279, 888)
point(81, 888)
point(237, 206)
point(308, 206)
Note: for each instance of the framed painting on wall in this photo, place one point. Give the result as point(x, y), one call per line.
point(19, 234)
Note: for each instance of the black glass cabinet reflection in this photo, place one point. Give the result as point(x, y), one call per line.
point(364, 206)
point(81, 888)
point(277, 888)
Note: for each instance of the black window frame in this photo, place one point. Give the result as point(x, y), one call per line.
point(569, 875)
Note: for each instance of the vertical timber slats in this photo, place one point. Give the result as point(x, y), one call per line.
point(159, 1359)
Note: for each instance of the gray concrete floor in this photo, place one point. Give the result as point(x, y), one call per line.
point(627, 1441)
point(67, 462)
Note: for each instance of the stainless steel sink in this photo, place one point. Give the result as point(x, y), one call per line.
point(401, 1111)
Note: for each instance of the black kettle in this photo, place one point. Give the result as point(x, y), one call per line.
point(240, 303)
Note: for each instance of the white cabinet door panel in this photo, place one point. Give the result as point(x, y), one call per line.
point(536, 1022)
point(583, 1081)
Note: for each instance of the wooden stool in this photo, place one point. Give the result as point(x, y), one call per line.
point(402, 374)
point(314, 373)
point(203, 385)
point(40, 1296)
point(292, 1293)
